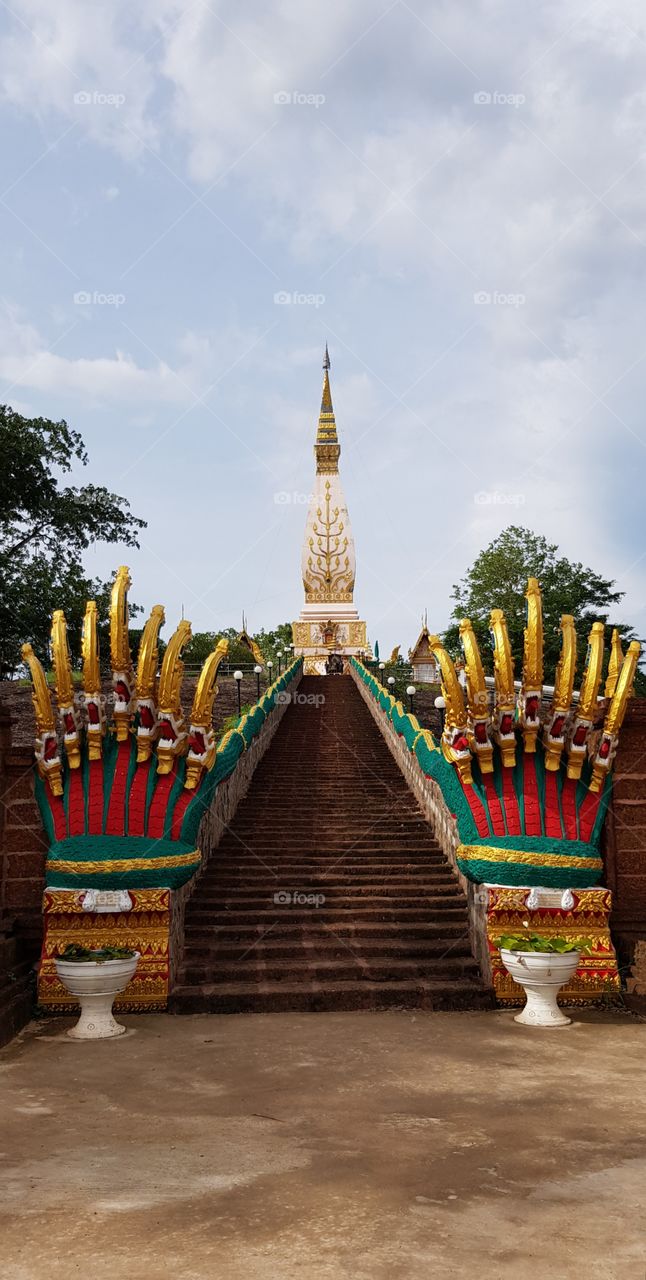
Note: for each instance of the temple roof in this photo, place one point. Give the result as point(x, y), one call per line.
point(421, 651)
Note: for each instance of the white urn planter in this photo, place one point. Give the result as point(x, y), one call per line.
point(96, 985)
point(541, 974)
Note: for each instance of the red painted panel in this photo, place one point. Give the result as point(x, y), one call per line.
point(533, 825)
point(159, 804)
point(588, 813)
point(512, 812)
point(478, 810)
point(568, 807)
point(137, 801)
point(115, 823)
point(76, 804)
point(95, 798)
point(553, 826)
point(495, 807)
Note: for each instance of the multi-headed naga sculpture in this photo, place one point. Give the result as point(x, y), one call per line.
point(527, 777)
point(122, 804)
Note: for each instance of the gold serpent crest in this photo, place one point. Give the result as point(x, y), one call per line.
point(149, 706)
point(567, 725)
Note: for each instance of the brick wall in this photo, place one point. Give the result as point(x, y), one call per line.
point(625, 835)
point(22, 842)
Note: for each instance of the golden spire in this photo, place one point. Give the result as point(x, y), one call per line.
point(327, 447)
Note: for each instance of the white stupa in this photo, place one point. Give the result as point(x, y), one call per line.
point(329, 622)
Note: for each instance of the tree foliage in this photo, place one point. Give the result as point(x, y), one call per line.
point(269, 642)
point(498, 579)
point(45, 525)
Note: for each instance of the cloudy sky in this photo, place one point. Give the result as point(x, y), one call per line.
point(195, 196)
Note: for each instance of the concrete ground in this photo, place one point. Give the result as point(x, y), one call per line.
point(388, 1146)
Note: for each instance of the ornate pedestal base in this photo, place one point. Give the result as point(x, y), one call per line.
point(325, 629)
point(145, 928)
point(596, 974)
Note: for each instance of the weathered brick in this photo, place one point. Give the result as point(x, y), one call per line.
point(19, 784)
point(23, 893)
point(25, 866)
point(19, 839)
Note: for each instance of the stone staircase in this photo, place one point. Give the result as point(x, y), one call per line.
point(329, 890)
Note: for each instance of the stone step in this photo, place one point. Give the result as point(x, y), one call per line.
point(245, 898)
point(204, 934)
point(326, 945)
point(317, 969)
point(387, 913)
point(320, 997)
point(328, 813)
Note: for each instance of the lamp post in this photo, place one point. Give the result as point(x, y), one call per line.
point(382, 668)
point(391, 684)
point(237, 676)
point(410, 690)
point(279, 654)
point(441, 706)
point(269, 670)
point(257, 672)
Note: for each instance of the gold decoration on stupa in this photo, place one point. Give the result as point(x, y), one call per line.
point(330, 575)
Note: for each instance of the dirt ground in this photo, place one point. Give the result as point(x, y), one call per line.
point(392, 1146)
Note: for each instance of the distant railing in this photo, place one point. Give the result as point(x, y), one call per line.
point(247, 669)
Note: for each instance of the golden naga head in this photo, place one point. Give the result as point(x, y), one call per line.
point(146, 685)
point(157, 701)
point(607, 748)
point(65, 689)
point(531, 689)
point(93, 698)
point(122, 675)
point(503, 671)
point(567, 724)
point(47, 751)
point(455, 737)
point(557, 723)
point(479, 719)
point(173, 740)
point(582, 719)
point(614, 664)
point(201, 739)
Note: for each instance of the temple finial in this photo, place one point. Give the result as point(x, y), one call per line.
point(327, 445)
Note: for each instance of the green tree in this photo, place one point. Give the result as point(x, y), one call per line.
point(45, 525)
point(271, 641)
point(498, 579)
point(200, 645)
